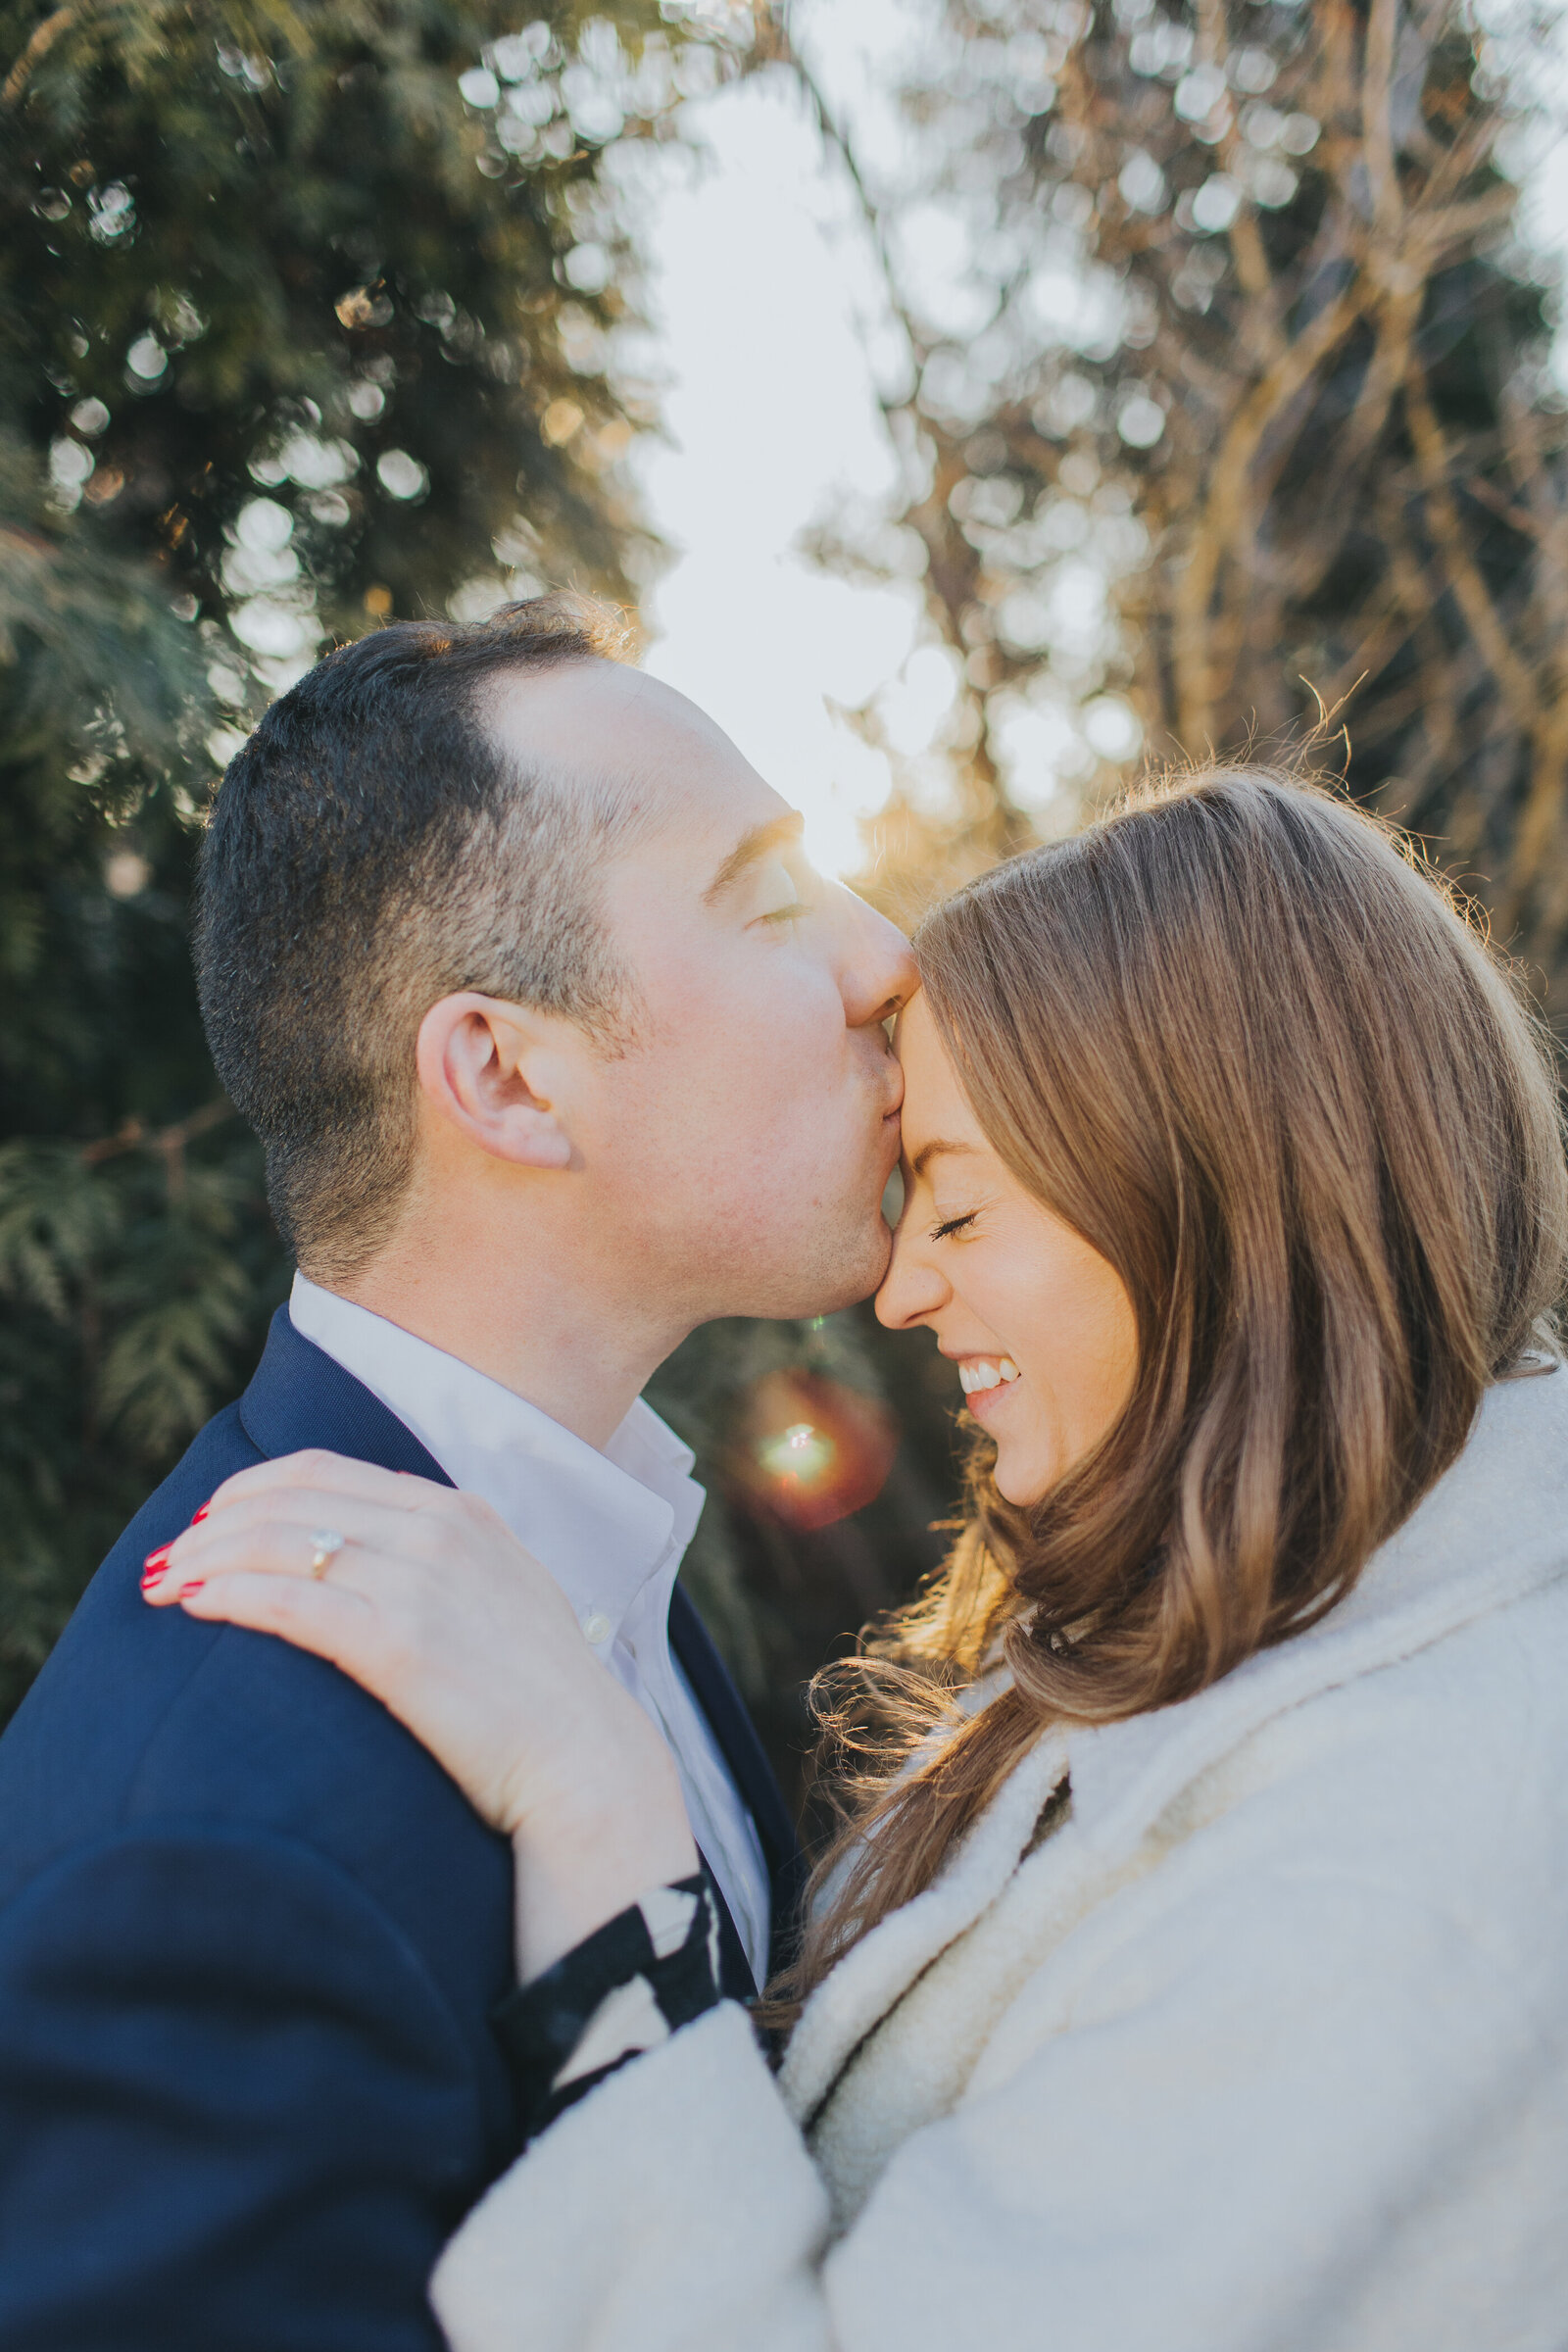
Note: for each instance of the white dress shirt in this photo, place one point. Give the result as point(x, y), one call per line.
point(611, 1527)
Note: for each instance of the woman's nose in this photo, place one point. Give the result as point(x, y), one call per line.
point(911, 1289)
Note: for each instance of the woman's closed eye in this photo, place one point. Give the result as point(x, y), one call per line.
point(952, 1225)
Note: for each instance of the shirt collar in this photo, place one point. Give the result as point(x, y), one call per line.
point(603, 1523)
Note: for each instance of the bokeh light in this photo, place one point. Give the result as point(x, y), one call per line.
point(809, 1450)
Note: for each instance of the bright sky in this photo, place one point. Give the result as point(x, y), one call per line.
point(765, 309)
point(760, 275)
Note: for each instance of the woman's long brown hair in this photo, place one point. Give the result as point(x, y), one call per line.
point(1263, 1062)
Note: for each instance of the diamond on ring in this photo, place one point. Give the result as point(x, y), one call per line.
point(326, 1544)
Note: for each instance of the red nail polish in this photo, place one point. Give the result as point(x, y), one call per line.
point(198, 1516)
point(160, 1557)
point(195, 1585)
point(151, 1576)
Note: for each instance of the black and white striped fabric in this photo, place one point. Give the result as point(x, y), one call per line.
point(622, 1991)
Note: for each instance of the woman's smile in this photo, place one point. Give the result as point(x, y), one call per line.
point(985, 1381)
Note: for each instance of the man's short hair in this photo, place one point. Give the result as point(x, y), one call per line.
point(371, 850)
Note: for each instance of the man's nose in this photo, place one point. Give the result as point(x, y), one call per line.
point(877, 973)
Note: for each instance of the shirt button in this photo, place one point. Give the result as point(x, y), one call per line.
point(596, 1628)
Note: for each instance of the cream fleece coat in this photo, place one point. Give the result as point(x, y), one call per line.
point(1264, 2050)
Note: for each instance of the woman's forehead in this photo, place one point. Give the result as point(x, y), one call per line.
point(936, 1114)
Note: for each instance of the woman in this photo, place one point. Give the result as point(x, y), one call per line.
point(1193, 1971)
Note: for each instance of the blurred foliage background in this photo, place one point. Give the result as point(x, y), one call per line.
point(1255, 421)
point(308, 318)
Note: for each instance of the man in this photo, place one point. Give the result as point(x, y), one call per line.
point(558, 1050)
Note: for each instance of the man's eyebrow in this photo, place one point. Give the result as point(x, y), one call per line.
point(777, 834)
point(934, 1150)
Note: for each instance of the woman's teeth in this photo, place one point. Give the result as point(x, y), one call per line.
point(980, 1372)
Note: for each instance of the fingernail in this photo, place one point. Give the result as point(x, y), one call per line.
point(198, 1516)
point(195, 1585)
point(151, 1576)
point(159, 1559)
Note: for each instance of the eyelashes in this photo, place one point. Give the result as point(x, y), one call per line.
point(941, 1233)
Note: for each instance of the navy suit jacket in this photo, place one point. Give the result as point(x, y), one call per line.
point(250, 1938)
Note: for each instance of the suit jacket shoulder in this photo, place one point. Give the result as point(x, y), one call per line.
point(142, 1716)
point(250, 1937)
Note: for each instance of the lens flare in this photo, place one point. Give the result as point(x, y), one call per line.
point(810, 1450)
point(803, 1454)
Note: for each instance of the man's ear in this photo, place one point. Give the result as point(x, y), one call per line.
point(487, 1067)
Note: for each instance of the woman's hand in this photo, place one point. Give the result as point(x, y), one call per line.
point(434, 1606)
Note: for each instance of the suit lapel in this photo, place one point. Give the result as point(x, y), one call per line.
point(752, 1775)
point(302, 1397)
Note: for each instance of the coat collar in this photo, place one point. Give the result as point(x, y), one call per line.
point(880, 1969)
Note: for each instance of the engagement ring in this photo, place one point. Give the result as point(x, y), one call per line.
point(326, 1544)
